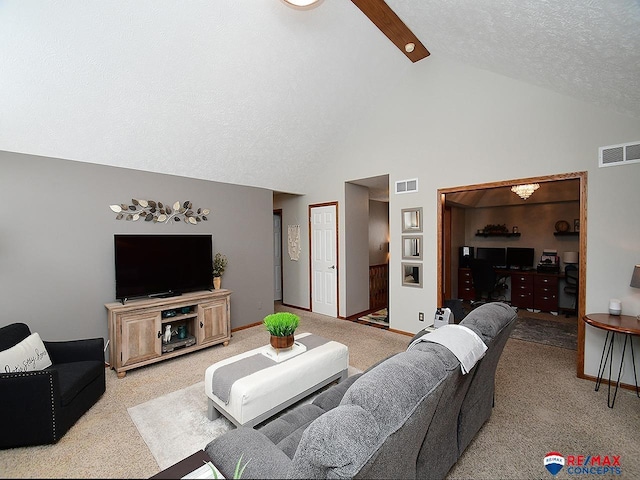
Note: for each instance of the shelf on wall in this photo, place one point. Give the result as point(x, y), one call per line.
point(566, 234)
point(506, 234)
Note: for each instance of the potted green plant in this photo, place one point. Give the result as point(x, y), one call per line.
point(281, 326)
point(219, 266)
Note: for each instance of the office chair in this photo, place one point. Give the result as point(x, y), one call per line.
point(488, 285)
point(571, 286)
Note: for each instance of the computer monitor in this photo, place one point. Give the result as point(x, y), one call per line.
point(496, 256)
point(520, 258)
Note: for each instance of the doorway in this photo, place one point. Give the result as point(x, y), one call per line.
point(446, 232)
point(324, 258)
point(277, 255)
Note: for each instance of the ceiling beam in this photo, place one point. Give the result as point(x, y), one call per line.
point(390, 24)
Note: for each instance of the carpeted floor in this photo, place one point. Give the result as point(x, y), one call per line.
point(540, 407)
point(173, 433)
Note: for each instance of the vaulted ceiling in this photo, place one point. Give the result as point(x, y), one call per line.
point(251, 92)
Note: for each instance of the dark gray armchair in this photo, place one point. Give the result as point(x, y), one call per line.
point(39, 407)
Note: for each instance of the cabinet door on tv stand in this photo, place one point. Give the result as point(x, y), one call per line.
point(213, 321)
point(140, 341)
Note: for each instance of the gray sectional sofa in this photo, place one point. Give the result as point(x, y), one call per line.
point(409, 416)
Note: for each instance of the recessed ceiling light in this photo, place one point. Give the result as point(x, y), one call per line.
point(409, 47)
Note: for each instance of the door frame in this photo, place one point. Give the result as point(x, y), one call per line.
point(316, 205)
point(444, 236)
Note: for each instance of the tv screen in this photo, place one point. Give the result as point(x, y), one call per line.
point(162, 265)
point(494, 255)
point(520, 258)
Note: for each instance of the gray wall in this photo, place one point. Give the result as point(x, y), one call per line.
point(378, 232)
point(56, 240)
point(356, 251)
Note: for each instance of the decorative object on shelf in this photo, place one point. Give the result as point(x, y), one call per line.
point(514, 229)
point(182, 332)
point(562, 226)
point(281, 326)
point(167, 333)
point(576, 224)
point(635, 281)
point(157, 212)
point(219, 266)
point(526, 190)
point(495, 229)
point(615, 306)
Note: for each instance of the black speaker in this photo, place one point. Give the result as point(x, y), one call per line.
point(464, 255)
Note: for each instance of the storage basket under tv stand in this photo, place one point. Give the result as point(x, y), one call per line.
point(136, 328)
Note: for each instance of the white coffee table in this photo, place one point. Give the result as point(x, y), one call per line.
point(262, 394)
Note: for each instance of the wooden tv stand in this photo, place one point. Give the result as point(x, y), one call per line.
point(136, 328)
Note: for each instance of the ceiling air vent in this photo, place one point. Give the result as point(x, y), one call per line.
point(619, 154)
point(407, 186)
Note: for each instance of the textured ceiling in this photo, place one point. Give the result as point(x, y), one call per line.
point(583, 48)
point(258, 93)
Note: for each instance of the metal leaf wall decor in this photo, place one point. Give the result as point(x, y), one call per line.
point(157, 212)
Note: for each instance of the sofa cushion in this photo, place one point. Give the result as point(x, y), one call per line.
point(392, 390)
point(489, 319)
point(331, 397)
point(75, 376)
point(286, 430)
point(26, 356)
point(336, 444)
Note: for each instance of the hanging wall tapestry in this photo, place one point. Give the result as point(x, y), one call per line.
point(294, 242)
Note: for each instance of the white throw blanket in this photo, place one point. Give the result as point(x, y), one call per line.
point(463, 342)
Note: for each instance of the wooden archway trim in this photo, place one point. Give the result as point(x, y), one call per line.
point(441, 242)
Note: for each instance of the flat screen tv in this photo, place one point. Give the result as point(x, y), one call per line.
point(162, 265)
point(520, 258)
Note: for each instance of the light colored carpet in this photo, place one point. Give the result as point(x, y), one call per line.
point(175, 425)
point(540, 406)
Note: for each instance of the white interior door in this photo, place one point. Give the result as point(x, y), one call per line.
point(324, 261)
point(277, 257)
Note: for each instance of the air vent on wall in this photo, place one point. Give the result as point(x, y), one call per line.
point(407, 186)
point(619, 154)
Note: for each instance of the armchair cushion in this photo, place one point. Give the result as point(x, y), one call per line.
point(27, 355)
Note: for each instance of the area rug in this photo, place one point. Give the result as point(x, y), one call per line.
point(549, 332)
point(175, 425)
point(381, 317)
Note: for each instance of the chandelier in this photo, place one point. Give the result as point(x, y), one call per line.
point(525, 191)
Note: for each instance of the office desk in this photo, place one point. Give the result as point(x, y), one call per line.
point(624, 324)
point(529, 288)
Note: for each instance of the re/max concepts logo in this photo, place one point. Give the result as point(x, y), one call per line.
point(583, 464)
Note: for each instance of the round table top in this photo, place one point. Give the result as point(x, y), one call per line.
point(615, 323)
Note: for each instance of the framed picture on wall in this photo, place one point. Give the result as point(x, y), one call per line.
point(412, 247)
point(412, 274)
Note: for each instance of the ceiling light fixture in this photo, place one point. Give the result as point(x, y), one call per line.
point(301, 3)
point(409, 47)
point(525, 191)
